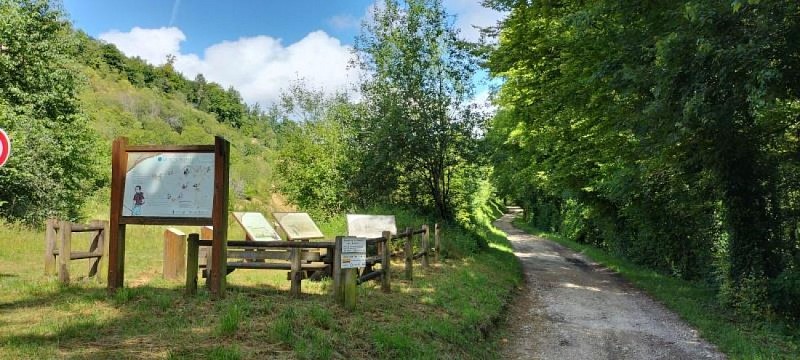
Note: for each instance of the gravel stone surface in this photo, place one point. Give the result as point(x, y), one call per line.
point(572, 308)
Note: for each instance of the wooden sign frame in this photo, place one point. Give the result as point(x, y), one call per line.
point(218, 219)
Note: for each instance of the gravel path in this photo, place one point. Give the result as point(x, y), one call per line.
point(572, 308)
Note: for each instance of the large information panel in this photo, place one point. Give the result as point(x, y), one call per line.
point(298, 225)
point(256, 226)
point(169, 185)
point(370, 226)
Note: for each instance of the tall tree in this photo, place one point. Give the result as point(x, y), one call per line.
point(419, 126)
point(313, 156)
point(53, 165)
point(662, 130)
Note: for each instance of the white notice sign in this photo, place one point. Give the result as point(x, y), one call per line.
point(354, 245)
point(353, 260)
point(354, 253)
point(169, 185)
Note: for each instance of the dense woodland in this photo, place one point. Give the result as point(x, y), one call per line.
point(666, 132)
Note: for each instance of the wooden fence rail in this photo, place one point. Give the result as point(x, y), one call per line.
point(58, 241)
point(299, 256)
point(425, 250)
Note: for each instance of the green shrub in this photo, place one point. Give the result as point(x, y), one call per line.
point(785, 294)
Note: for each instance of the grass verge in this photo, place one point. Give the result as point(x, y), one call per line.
point(696, 303)
point(445, 312)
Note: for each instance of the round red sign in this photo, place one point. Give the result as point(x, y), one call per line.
point(5, 147)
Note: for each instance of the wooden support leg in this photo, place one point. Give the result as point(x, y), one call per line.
point(338, 292)
point(386, 263)
point(102, 249)
point(64, 251)
point(296, 273)
point(424, 245)
point(97, 242)
point(437, 243)
point(350, 288)
point(50, 247)
point(409, 254)
point(208, 268)
point(192, 263)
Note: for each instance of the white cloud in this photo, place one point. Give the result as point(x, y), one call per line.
point(258, 67)
point(152, 45)
point(470, 13)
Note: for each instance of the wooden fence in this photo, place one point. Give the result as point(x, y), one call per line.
point(345, 281)
point(301, 257)
point(58, 241)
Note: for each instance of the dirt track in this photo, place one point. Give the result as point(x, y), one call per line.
point(572, 308)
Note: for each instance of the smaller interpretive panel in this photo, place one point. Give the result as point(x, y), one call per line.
point(298, 225)
point(370, 226)
point(256, 226)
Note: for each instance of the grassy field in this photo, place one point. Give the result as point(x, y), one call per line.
point(445, 312)
point(737, 337)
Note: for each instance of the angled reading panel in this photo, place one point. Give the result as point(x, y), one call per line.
point(256, 226)
point(370, 226)
point(298, 225)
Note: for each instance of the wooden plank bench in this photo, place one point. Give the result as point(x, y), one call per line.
point(298, 257)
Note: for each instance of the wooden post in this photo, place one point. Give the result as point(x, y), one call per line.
point(206, 233)
point(338, 293)
point(116, 239)
point(425, 248)
point(409, 254)
point(102, 267)
point(296, 275)
point(174, 254)
point(436, 243)
point(192, 263)
point(64, 250)
point(97, 243)
point(50, 247)
point(350, 288)
point(219, 249)
point(208, 269)
point(386, 263)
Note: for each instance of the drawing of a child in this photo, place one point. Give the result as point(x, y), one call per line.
point(138, 201)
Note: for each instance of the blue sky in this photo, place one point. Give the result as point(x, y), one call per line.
point(258, 47)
